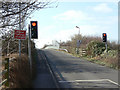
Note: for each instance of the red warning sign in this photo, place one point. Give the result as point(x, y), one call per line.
point(19, 34)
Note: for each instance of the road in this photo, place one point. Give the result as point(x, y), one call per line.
point(43, 78)
point(73, 72)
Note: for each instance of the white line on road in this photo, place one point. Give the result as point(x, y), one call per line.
point(83, 80)
point(90, 81)
point(113, 82)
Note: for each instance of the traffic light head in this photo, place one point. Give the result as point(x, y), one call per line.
point(104, 37)
point(34, 24)
point(34, 30)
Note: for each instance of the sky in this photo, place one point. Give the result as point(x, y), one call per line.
point(93, 19)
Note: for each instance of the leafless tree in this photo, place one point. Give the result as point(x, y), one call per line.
point(10, 13)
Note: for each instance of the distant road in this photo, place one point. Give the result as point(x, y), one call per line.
point(73, 72)
point(52, 47)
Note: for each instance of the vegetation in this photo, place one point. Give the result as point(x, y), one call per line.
point(95, 50)
point(19, 77)
point(20, 73)
point(10, 14)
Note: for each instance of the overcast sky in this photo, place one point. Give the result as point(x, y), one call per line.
point(93, 18)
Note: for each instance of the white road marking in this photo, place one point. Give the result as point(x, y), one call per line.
point(113, 82)
point(90, 81)
point(83, 80)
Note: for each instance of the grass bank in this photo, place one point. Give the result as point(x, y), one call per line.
point(109, 59)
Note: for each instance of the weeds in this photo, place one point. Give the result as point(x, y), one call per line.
point(20, 73)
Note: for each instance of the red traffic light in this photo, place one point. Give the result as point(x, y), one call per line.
point(104, 34)
point(34, 29)
point(104, 37)
point(33, 24)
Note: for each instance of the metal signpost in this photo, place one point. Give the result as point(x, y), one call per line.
point(19, 34)
point(78, 43)
point(19, 29)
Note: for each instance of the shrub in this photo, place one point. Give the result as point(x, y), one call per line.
point(95, 48)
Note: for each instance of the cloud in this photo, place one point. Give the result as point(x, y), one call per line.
point(42, 41)
point(71, 15)
point(102, 8)
point(65, 34)
point(46, 30)
point(92, 30)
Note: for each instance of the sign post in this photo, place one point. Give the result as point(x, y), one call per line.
point(78, 45)
point(19, 29)
point(19, 34)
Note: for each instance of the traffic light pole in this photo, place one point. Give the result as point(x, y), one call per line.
point(32, 34)
point(29, 49)
point(106, 46)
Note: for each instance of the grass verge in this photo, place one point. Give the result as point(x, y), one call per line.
point(19, 71)
point(104, 60)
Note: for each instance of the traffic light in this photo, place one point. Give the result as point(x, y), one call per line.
point(104, 37)
point(34, 30)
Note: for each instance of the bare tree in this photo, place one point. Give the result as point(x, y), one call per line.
point(10, 13)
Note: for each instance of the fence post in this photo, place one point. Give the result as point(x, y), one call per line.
point(83, 52)
point(7, 73)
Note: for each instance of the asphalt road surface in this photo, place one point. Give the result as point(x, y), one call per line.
point(44, 78)
point(73, 72)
